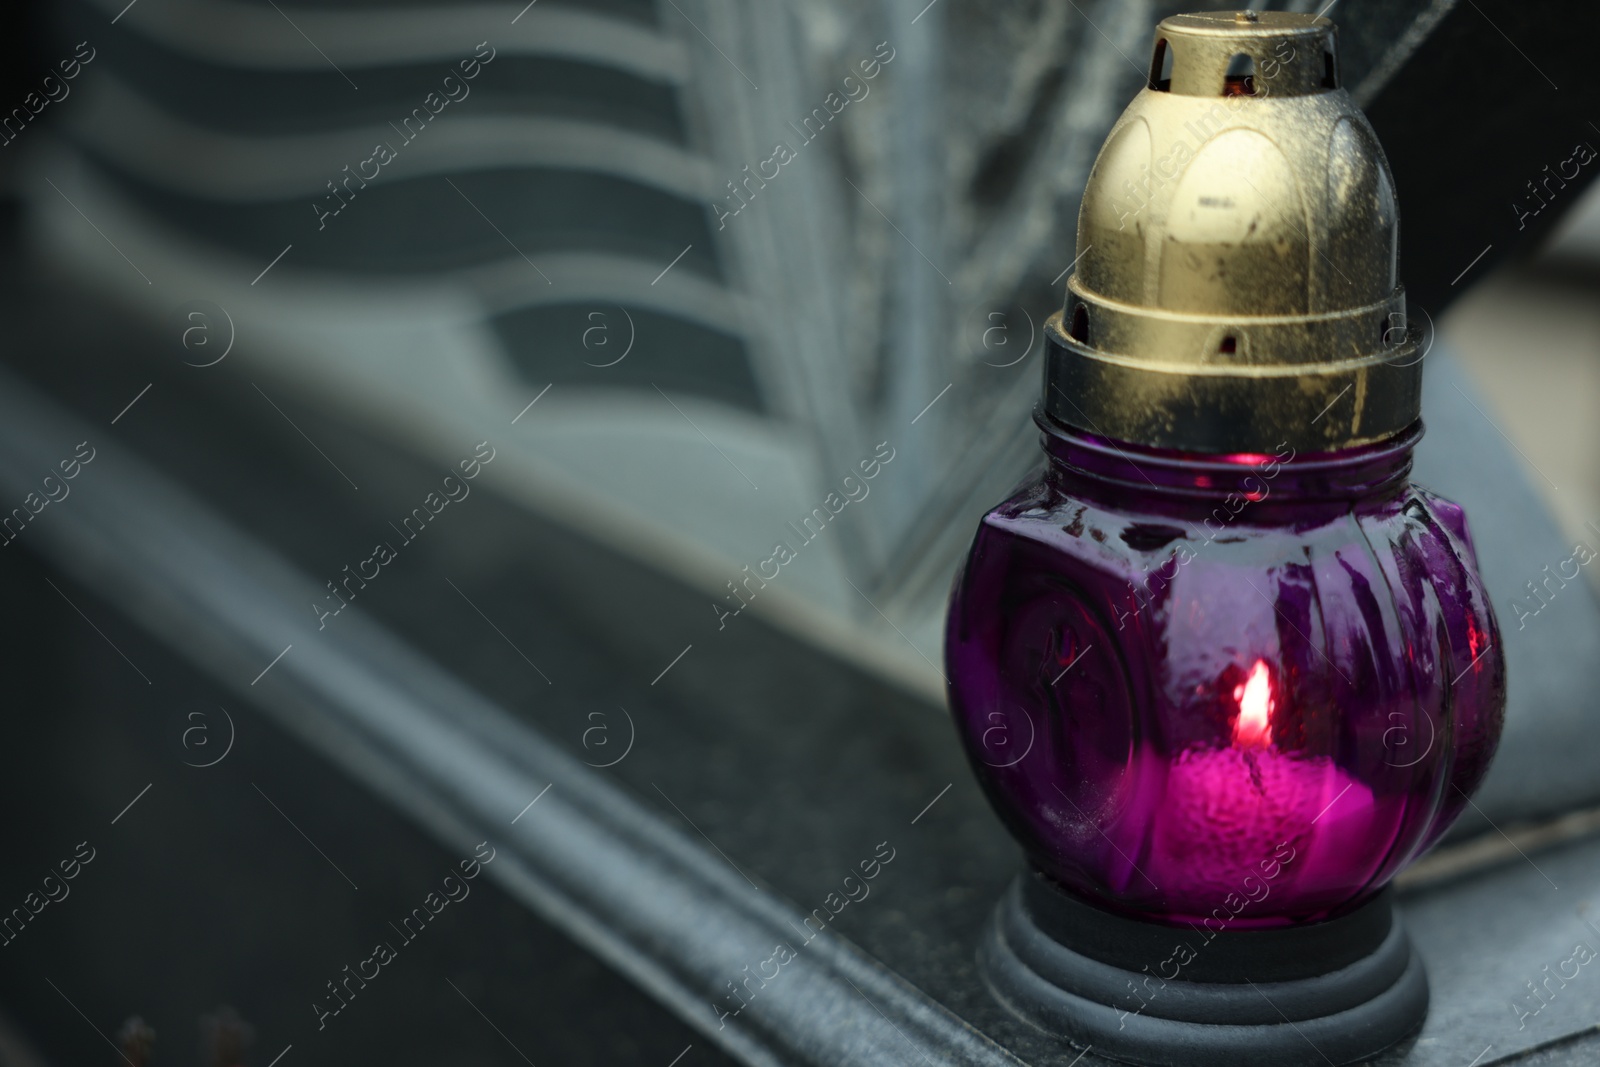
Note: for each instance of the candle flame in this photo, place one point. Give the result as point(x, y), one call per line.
point(1254, 726)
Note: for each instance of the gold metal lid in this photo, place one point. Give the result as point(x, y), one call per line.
point(1236, 287)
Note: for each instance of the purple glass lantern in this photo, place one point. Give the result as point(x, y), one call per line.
point(1222, 670)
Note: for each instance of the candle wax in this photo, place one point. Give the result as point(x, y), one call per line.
point(1230, 812)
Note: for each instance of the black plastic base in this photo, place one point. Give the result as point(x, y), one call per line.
point(1336, 992)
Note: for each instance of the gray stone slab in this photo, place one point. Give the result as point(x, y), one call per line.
point(1549, 759)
